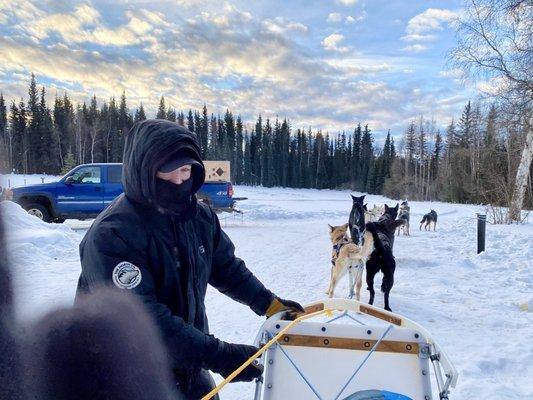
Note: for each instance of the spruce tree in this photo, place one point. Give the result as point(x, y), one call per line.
point(292, 163)
point(255, 151)
point(181, 119)
point(190, 121)
point(491, 129)
point(356, 159)
point(70, 163)
point(437, 154)
point(239, 156)
point(285, 152)
point(386, 157)
point(19, 138)
point(171, 114)
point(140, 115)
point(266, 151)
point(212, 149)
point(465, 132)
point(367, 156)
point(33, 156)
point(247, 167)
point(203, 134)
point(114, 145)
point(197, 127)
point(410, 148)
point(124, 123)
point(95, 132)
point(47, 145)
point(229, 138)
point(161, 111)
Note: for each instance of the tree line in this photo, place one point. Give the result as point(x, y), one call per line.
point(473, 161)
point(37, 138)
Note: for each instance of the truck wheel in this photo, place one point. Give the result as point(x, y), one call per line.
point(58, 220)
point(38, 210)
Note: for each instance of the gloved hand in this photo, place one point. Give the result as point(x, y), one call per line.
point(278, 305)
point(230, 356)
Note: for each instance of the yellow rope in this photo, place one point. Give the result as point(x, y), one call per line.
point(261, 351)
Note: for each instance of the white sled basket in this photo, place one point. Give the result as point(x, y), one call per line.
point(351, 351)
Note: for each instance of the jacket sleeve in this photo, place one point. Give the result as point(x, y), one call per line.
point(231, 277)
point(101, 252)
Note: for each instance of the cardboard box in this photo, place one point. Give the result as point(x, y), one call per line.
point(217, 171)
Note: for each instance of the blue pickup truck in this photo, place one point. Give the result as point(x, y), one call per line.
point(87, 189)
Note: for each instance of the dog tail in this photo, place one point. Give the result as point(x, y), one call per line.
point(368, 244)
point(423, 219)
point(371, 227)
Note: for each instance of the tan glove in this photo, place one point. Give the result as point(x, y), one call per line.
point(279, 305)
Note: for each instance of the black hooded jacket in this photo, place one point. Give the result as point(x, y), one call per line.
point(138, 246)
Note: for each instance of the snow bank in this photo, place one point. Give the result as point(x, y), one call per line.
point(13, 180)
point(44, 259)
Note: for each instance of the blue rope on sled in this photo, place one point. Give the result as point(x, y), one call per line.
point(299, 372)
point(364, 361)
point(383, 394)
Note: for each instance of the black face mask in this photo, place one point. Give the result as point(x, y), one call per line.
point(174, 197)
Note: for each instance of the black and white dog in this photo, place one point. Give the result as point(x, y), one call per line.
point(428, 219)
point(382, 258)
point(356, 222)
point(404, 214)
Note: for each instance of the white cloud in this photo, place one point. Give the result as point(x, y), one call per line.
point(334, 17)
point(223, 46)
point(418, 38)
point(280, 25)
point(84, 25)
point(415, 48)
point(332, 43)
point(352, 20)
point(346, 2)
point(430, 20)
point(358, 65)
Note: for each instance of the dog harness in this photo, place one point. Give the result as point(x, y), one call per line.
point(337, 249)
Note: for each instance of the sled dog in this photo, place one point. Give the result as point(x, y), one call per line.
point(374, 213)
point(428, 219)
point(404, 214)
point(382, 259)
point(356, 222)
point(348, 257)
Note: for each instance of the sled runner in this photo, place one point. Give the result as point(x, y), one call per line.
point(341, 349)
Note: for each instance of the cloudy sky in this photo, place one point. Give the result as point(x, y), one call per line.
point(324, 64)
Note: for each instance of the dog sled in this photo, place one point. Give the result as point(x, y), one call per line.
point(341, 349)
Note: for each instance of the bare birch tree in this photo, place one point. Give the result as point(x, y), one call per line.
point(495, 42)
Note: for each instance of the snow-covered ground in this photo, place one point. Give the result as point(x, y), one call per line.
point(478, 307)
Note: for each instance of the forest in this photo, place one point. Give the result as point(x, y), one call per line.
point(472, 161)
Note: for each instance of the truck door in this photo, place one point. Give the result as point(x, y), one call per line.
point(113, 186)
point(81, 192)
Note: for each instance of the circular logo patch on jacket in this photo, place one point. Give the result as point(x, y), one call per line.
point(126, 275)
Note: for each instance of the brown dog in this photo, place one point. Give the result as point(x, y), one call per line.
point(348, 257)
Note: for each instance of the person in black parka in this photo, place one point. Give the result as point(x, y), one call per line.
point(158, 242)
